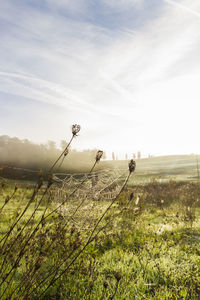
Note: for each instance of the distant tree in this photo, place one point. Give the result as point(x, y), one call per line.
point(104, 155)
point(63, 144)
point(113, 156)
point(126, 156)
point(4, 139)
point(134, 156)
point(25, 154)
point(139, 155)
point(51, 145)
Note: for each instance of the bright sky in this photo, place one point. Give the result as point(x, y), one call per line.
point(127, 71)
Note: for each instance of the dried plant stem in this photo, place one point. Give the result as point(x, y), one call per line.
point(70, 216)
point(2, 207)
point(36, 228)
point(24, 211)
point(6, 203)
point(90, 239)
point(54, 271)
point(61, 154)
point(11, 229)
point(19, 234)
point(115, 292)
point(71, 194)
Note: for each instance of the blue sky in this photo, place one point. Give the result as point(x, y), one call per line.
point(126, 70)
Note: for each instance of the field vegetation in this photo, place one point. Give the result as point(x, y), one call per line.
point(95, 236)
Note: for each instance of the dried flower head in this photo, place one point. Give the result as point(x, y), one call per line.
point(16, 187)
point(66, 152)
point(99, 155)
point(3, 184)
point(105, 284)
point(132, 165)
point(131, 196)
point(75, 129)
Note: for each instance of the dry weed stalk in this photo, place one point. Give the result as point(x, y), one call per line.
point(18, 244)
point(92, 235)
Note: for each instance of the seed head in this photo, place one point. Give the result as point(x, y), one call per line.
point(105, 284)
point(16, 187)
point(3, 184)
point(132, 165)
point(75, 129)
point(131, 196)
point(66, 152)
point(99, 155)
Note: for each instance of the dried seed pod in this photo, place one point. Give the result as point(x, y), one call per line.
point(99, 155)
point(16, 187)
point(66, 152)
point(132, 165)
point(131, 196)
point(105, 284)
point(118, 276)
point(3, 184)
point(75, 129)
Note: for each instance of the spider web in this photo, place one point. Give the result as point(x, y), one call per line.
point(102, 184)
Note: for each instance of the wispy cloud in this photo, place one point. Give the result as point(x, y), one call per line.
point(118, 80)
point(184, 7)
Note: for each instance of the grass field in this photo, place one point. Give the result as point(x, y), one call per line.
point(177, 167)
point(146, 245)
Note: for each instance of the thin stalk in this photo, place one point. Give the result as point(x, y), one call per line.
point(70, 216)
point(90, 239)
point(61, 154)
point(7, 202)
point(36, 228)
point(70, 195)
point(25, 209)
point(13, 226)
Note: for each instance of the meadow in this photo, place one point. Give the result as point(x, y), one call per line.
point(145, 247)
point(104, 234)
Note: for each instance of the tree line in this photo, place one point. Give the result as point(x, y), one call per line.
point(16, 154)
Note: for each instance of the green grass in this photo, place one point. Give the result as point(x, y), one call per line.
point(146, 251)
point(177, 167)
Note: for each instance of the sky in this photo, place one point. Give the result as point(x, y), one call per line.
point(127, 71)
